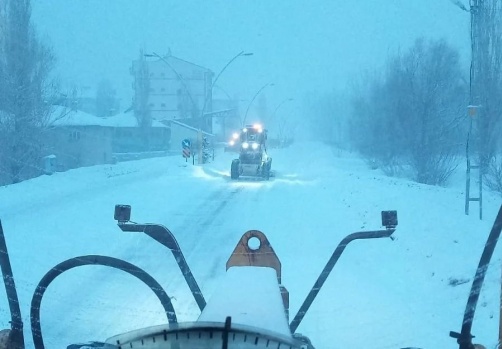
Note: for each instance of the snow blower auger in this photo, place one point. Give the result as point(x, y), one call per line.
point(249, 310)
point(253, 160)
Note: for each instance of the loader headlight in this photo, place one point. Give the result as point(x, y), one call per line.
point(235, 135)
point(232, 143)
point(245, 145)
point(254, 146)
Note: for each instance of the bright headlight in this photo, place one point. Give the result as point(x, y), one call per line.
point(232, 143)
point(254, 146)
point(245, 145)
point(235, 135)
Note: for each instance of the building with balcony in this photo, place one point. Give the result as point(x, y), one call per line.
point(170, 88)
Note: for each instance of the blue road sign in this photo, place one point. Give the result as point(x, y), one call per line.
point(186, 143)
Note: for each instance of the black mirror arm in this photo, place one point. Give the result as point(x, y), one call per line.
point(164, 236)
point(329, 266)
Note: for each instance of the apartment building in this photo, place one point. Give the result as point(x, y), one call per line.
point(171, 88)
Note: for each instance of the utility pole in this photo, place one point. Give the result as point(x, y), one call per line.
point(474, 110)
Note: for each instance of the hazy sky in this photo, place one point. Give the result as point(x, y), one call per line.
point(300, 45)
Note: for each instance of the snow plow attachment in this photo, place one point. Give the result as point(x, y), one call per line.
point(250, 309)
point(252, 285)
point(254, 250)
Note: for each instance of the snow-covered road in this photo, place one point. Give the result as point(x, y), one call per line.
point(391, 294)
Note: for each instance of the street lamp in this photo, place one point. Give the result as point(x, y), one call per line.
point(254, 97)
point(278, 106)
point(242, 53)
point(224, 91)
point(281, 126)
point(230, 105)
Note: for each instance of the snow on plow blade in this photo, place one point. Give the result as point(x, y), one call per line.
point(250, 299)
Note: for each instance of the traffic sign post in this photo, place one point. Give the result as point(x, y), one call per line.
point(186, 153)
point(186, 146)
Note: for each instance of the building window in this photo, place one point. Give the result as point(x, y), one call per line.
point(162, 89)
point(151, 74)
point(152, 89)
point(74, 136)
point(163, 105)
point(151, 105)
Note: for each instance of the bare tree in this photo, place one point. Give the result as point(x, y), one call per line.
point(431, 109)
point(487, 76)
point(140, 102)
point(494, 174)
point(373, 130)
point(412, 114)
point(25, 87)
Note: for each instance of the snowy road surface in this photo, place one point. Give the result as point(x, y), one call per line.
point(391, 294)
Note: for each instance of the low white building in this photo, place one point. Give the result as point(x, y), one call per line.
point(80, 139)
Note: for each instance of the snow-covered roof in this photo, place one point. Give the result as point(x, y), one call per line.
point(67, 117)
point(179, 63)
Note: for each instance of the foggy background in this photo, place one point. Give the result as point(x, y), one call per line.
point(306, 48)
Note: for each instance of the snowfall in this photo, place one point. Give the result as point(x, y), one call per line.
point(409, 291)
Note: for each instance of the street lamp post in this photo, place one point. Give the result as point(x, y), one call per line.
point(231, 102)
point(278, 106)
point(252, 100)
point(282, 125)
point(224, 92)
point(242, 53)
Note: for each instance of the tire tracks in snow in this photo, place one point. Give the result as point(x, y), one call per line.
point(196, 231)
point(204, 214)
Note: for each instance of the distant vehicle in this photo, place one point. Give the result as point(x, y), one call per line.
point(233, 145)
point(253, 157)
